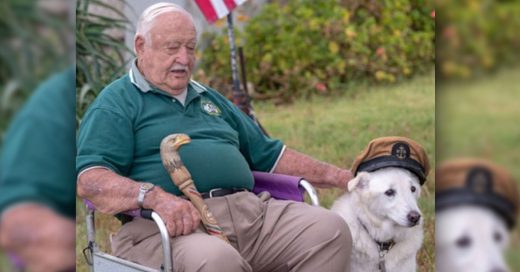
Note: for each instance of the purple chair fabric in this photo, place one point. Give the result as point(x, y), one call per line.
point(132, 213)
point(280, 186)
point(89, 204)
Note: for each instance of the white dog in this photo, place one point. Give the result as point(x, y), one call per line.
point(384, 219)
point(470, 238)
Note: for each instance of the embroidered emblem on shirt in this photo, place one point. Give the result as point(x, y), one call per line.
point(209, 107)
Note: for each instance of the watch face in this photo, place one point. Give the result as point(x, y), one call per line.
point(147, 186)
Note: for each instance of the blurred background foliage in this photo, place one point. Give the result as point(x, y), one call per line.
point(34, 44)
point(293, 48)
point(298, 47)
point(101, 53)
point(476, 37)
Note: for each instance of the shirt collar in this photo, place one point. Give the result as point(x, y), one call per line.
point(144, 86)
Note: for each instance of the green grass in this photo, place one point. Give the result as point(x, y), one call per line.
point(481, 119)
point(335, 129)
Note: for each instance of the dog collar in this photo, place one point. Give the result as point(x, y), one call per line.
point(383, 248)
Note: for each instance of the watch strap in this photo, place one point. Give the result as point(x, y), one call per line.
point(145, 188)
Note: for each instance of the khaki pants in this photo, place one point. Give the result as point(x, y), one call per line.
point(268, 236)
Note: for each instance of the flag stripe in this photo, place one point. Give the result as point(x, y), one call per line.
point(230, 4)
point(220, 8)
point(207, 9)
point(216, 9)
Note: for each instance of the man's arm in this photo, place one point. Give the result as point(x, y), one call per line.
point(111, 193)
point(320, 174)
point(43, 239)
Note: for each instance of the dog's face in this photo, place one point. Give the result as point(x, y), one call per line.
point(470, 238)
point(389, 194)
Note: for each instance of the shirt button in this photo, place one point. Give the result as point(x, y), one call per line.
point(173, 100)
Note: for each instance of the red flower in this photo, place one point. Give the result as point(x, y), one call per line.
point(449, 32)
point(320, 87)
point(433, 14)
point(380, 51)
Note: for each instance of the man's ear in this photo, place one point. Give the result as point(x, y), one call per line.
point(139, 43)
point(360, 181)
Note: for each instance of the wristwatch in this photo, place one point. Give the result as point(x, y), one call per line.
point(145, 188)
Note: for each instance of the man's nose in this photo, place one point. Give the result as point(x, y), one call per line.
point(183, 56)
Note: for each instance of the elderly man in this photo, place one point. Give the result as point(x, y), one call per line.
point(119, 167)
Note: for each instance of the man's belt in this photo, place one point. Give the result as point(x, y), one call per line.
point(222, 192)
point(218, 192)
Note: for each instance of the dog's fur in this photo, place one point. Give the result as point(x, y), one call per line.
point(470, 238)
point(385, 218)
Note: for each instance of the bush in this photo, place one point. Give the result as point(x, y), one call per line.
point(100, 54)
point(476, 37)
point(307, 46)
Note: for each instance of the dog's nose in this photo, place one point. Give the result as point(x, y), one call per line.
point(413, 217)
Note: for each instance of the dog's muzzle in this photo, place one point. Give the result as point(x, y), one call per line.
point(413, 218)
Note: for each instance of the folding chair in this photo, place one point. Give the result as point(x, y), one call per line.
point(279, 187)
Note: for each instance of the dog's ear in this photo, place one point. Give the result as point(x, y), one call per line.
point(360, 181)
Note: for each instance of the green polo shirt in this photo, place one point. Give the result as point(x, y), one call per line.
point(124, 126)
point(37, 162)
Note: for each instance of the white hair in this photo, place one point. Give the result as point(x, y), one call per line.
point(147, 18)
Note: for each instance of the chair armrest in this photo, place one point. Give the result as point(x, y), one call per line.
point(144, 213)
point(313, 195)
point(165, 237)
point(279, 186)
point(284, 187)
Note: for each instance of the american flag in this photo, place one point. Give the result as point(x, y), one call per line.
point(216, 9)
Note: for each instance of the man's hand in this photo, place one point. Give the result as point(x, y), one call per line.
point(179, 215)
point(44, 240)
point(112, 194)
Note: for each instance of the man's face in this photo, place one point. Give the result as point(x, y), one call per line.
point(168, 61)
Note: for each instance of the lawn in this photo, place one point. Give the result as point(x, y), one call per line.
point(335, 129)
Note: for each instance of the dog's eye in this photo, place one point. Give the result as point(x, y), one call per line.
point(390, 192)
point(412, 189)
point(498, 237)
point(463, 242)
